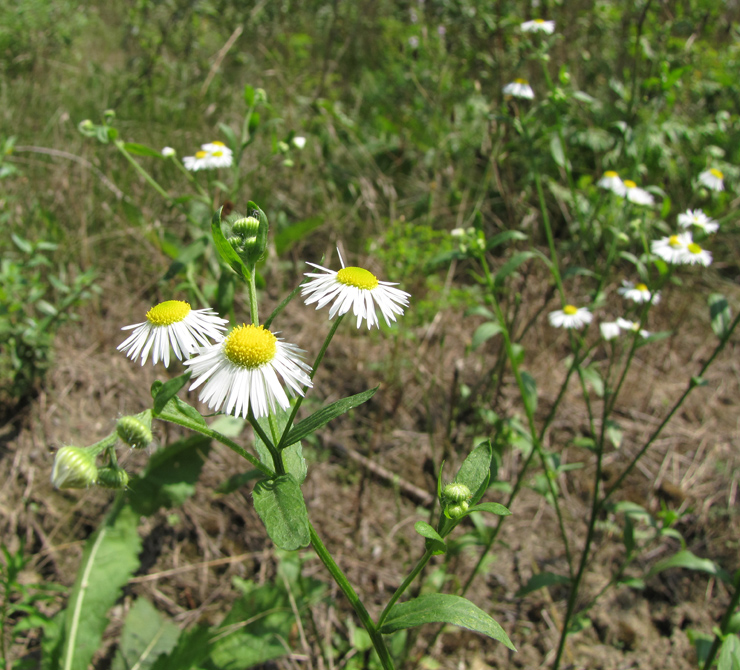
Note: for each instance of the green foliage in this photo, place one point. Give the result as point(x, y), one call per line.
point(146, 635)
point(280, 504)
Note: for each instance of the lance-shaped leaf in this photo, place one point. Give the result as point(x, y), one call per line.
point(146, 636)
point(503, 238)
point(318, 419)
point(162, 393)
point(539, 581)
point(434, 542)
point(225, 250)
point(720, 314)
point(512, 265)
point(476, 471)
point(279, 503)
point(491, 508)
point(141, 150)
point(689, 561)
point(444, 608)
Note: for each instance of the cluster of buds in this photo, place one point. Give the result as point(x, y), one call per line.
point(454, 500)
point(470, 239)
point(248, 236)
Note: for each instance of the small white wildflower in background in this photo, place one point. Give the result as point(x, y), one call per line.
point(299, 142)
point(519, 88)
point(694, 254)
point(637, 195)
point(172, 323)
point(414, 42)
point(713, 179)
point(696, 217)
point(570, 317)
point(241, 372)
point(611, 182)
point(200, 161)
point(355, 288)
point(168, 151)
point(671, 249)
point(457, 232)
point(634, 326)
point(211, 155)
point(538, 26)
point(609, 330)
point(638, 293)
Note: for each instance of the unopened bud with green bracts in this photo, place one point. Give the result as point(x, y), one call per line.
point(74, 468)
point(455, 499)
point(457, 510)
point(135, 430)
point(112, 478)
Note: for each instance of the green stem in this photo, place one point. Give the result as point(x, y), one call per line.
point(276, 458)
point(253, 307)
point(406, 583)
point(343, 583)
point(147, 177)
point(725, 623)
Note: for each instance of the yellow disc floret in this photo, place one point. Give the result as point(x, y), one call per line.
point(167, 313)
point(521, 81)
point(201, 154)
point(570, 310)
point(629, 183)
point(674, 241)
point(357, 277)
point(717, 173)
point(611, 173)
point(218, 143)
point(694, 248)
point(641, 287)
point(250, 346)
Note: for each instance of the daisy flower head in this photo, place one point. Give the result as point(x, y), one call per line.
point(519, 88)
point(611, 182)
point(713, 179)
point(634, 326)
point(570, 317)
point(695, 255)
point(219, 155)
point(638, 293)
point(696, 217)
point(172, 324)
point(538, 26)
point(671, 249)
point(299, 142)
point(201, 161)
point(241, 372)
point(167, 152)
point(637, 195)
point(609, 330)
point(355, 288)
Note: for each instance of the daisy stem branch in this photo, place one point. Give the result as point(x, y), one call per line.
point(104, 444)
point(275, 453)
point(406, 583)
point(253, 307)
point(343, 583)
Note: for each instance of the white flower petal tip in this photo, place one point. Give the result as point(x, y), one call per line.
point(211, 156)
point(611, 182)
point(570, 317)
point(637, 195)
point(638, 293)
point(698, 219)
point(713, 179)
point(538, 26)
point(519, 88)
point(241, 372)
point(172, 324)
point(356, 289)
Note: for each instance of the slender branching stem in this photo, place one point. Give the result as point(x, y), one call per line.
point(405, 584)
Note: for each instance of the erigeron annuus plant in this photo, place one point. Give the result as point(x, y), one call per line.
point(250, 372)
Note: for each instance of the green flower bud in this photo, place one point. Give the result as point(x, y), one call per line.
point(283, 147)
point(134, 432)
point(235, 242)
point(456, 493)
point(246, 226)
point(74, 468)
point(260, 96)
point(112, 478)
point(456, 511)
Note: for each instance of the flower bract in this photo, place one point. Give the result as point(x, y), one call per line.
point(697, 218)
point(638, 293)
point(172, 324)
point(713, 179)
point(519, 88)
point(570, 317)
point(357, 289)
point(241, 372)
point(538, 26)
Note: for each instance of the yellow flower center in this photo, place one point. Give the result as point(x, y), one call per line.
point(250, 346)
point(674, 241)
point(570, 310)
point(629, 183)
point(694, 248)
point(201, 154)
point(521, 81)
point(218, 154)
point(358, 277)
point(641, 287)
point(611, 174)
point(716, 173)
point(539, 20)
point(218, 143)
point(167, 313)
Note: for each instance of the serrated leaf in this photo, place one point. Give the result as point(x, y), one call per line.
point(444, 608)
point(491, 508)
point(485, 332)
point(141, 150)
point(689, 561)
point(225, 250)
point(146, 635)
point(476, 471)
point(530, 391)
point(193, 647)
point(540, 581)
point(279, 503)
point(512, 265)
point(164, 393)
point(318, 419)
point(110, 557)
point(720, 314)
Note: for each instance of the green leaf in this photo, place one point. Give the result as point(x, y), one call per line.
point(318, 419)
point(249, 95)
point(592, 376)
point(503, 238)
point(530, 392)
point(52, 641)
point(485, 332)
point(729, 654)
point(491, 508)
point(187, 255)
point(476, 471)
point(541, 580)
point(556, 150)
point(689, 561)
point(295, 232)
point(229, 135)
point(434, 542)
point(292, 456)
point(512, 265)
point(146, 635)
point(279, 503)
point(720, 314)
point(614, 433)
point(164, 393)
point(225, 250)
point(24, 245)
point(444, 608)
point(110, 557)
point(193, 647)
point(141, 150)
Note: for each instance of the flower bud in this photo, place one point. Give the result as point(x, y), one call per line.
point(456, 511)
point(260, 96)
point(112, 478)
point(246, 226)
point(134, 432)
point(74, 468)
point(283, 147)
point(456, 493)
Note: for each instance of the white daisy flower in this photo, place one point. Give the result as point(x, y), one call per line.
point(696, 217)
point(634, 326)
point(694, 254)
point(299, 142)
point(172, 323)
point(611, 182)
point(570, 317)
point(168, 151)
point(609, 330)
point(638, 293)
point(216, 145)
point(713, 179)
point(241, 372)
point(355, 288)
point(671, 249)
point(538, 26)
point(637, 195)
point(201, 161)
point(519, 88)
